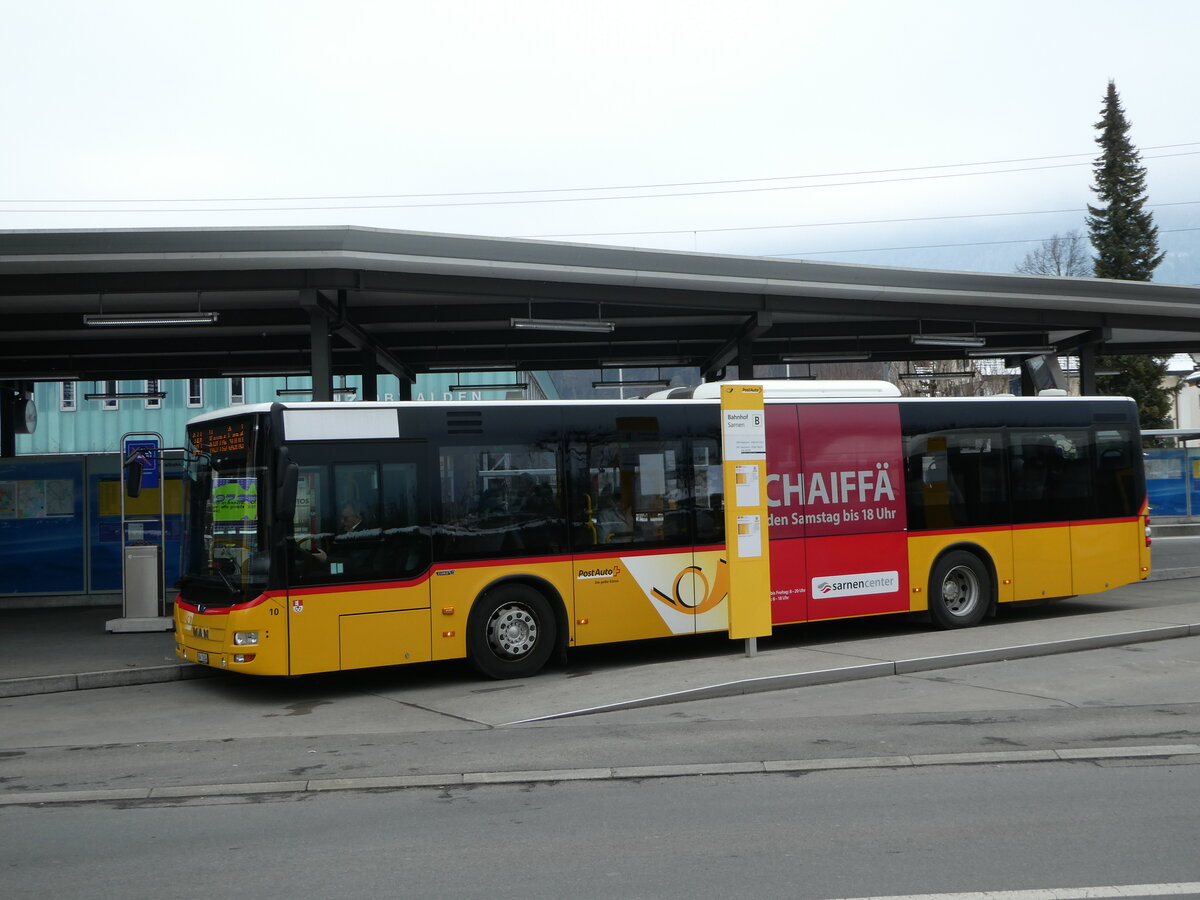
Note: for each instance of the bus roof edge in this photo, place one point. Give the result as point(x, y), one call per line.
point(784, 390)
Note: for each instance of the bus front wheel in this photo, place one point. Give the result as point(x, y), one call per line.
point(960, 590)
point(511, 632)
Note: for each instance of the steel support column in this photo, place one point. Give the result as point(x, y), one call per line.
point(745, 358)
point(370, 383)
point(8, 412)
point(1087, 369)
point(322, 350)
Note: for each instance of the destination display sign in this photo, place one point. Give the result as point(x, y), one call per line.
point(225, 438)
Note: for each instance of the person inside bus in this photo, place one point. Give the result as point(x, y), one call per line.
point(614, 519)
point(351, 521)
point(1035, 476)
point(351, 518)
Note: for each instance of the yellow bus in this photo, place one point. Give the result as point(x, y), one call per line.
point(333, 536)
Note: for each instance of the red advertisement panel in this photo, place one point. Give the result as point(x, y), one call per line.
point(857, 575)
point(789, 579)
point(783, 470)
point(835, 490)
point(853, 469)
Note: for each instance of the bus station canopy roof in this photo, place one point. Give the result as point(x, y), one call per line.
point(410, 302)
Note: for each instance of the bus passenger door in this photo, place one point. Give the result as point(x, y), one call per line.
point(1108, 550)
point(635, 575)
point(1045, 467)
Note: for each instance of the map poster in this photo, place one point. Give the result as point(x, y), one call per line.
point(37, 498)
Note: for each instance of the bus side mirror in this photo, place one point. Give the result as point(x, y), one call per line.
point(285, 496)
point(133, 476)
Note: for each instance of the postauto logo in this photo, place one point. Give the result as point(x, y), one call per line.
point(600, 572)
point(856, 585)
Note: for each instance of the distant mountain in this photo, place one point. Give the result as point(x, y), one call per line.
point(1001, 248)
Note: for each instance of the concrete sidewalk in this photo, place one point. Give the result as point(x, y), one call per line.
point(64, 649)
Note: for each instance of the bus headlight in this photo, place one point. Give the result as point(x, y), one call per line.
point(244, 638)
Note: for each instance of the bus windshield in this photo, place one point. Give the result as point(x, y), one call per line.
point(225, 546)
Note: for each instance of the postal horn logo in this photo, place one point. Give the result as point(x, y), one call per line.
point(691, 592)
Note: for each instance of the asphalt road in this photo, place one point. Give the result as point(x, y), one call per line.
point(238, 731)
point(1125, 815)
point(1175, 552)
point(820, 835)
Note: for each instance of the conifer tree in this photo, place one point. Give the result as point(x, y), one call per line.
point(1125, 239)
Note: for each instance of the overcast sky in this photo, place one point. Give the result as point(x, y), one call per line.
point(758, 126)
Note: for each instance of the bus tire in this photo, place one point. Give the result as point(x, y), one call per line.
point(960, 590)
point(510, 632)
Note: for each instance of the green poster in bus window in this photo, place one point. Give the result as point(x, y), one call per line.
point(235, 501)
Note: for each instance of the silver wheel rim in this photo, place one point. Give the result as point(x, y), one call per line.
point(960, 591)
point(512, 631)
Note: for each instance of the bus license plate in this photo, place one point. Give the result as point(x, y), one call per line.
point(201, 657)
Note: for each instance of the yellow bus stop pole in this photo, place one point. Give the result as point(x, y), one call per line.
point(747, 550)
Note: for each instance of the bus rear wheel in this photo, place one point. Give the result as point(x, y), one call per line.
point(960, 590)
point(511, 632)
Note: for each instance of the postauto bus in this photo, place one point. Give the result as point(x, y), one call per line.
point(333, 536)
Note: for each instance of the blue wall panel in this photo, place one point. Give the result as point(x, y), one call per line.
point(41, 527)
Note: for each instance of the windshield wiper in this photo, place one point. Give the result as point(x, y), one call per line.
point(228, 584)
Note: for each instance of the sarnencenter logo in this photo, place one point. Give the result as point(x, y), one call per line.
point(857, 584)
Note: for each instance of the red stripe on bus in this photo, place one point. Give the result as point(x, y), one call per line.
point(223, 610)
point(941, 532)
point(358, 586)
point(1025, 526)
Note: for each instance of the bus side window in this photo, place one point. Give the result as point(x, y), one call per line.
point(1051, 476)
point(360, 521)
point(1117, 484)
point(499, 500)
point(956, 479)
point(632, 478)
point(631, 493)
point(928, 478)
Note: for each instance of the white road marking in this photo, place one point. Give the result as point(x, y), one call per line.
point(1081, 893)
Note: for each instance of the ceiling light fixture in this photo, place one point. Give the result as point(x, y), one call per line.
point(647, 363)
point(591, 326)
point(997, 352)
point(459, 368)
point(127, 395)
point(304, 392)
point(266, 372)
point(635, 383)
point(948, 340)
point(499, 386)
point(834, 356)
point(117, 320)
point(937, 376)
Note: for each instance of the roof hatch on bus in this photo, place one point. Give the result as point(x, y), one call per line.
point(787, 390)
